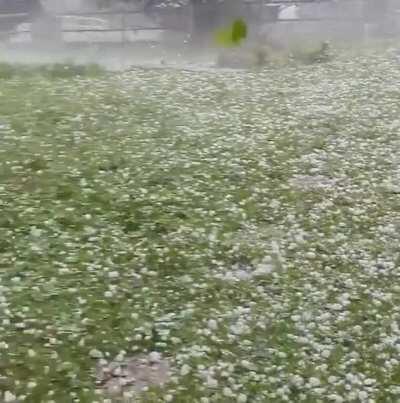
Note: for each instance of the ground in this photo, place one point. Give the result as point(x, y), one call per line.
point(244, 225)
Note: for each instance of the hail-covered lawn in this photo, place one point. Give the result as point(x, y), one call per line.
point(244, 225)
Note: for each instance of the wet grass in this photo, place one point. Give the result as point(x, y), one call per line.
point(51, 71)
point(243, 224)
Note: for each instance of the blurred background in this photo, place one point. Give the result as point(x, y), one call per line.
point(122, 32)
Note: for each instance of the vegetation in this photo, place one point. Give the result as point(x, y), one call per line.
point(261, 55)
point(57, 70)
point(233, 35)
point(243, 224)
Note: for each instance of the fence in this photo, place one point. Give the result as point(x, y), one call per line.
point(112, 26)
point(94, 26)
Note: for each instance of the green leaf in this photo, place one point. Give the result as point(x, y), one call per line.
point(232, 35)
point(239, 31)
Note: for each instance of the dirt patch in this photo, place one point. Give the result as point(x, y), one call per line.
point(132, 375)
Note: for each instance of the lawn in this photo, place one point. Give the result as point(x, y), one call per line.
point(245, 225)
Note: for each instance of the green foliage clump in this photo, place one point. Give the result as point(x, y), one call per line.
point(233, 35)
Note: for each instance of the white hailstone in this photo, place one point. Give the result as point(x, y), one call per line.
point(263, 269)
point(351, 378)
point(120, 356)
point(117, 371)
point(113, 274)
point(297, 380)
point(247, 364)
point(9, 397)
point(229, 276)
point(369, 382)
point(108, 294)
point(204, 400)
point(323, 367)
point(212, 324)
point(353, 395)
point(314, 382)
point(31, 385)
point(82, 301)
point(363, 395)
point(36, 232)
point(325, 353)
point(211, 382)
point(311, 255)
point(168, 398)
point(274, 204)
point(242, 398)
point(242, 275)
point(96, 354)
point(128, 395)
point(185, 370)
point(332, 379)
point(227, 392)
point(3, 345)
point(154, 357)
point(324, 316)
point(52, 340)
point(31, 353)
point(90, 230)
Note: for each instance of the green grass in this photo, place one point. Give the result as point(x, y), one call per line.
point(267, 201)
point(51, 71)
